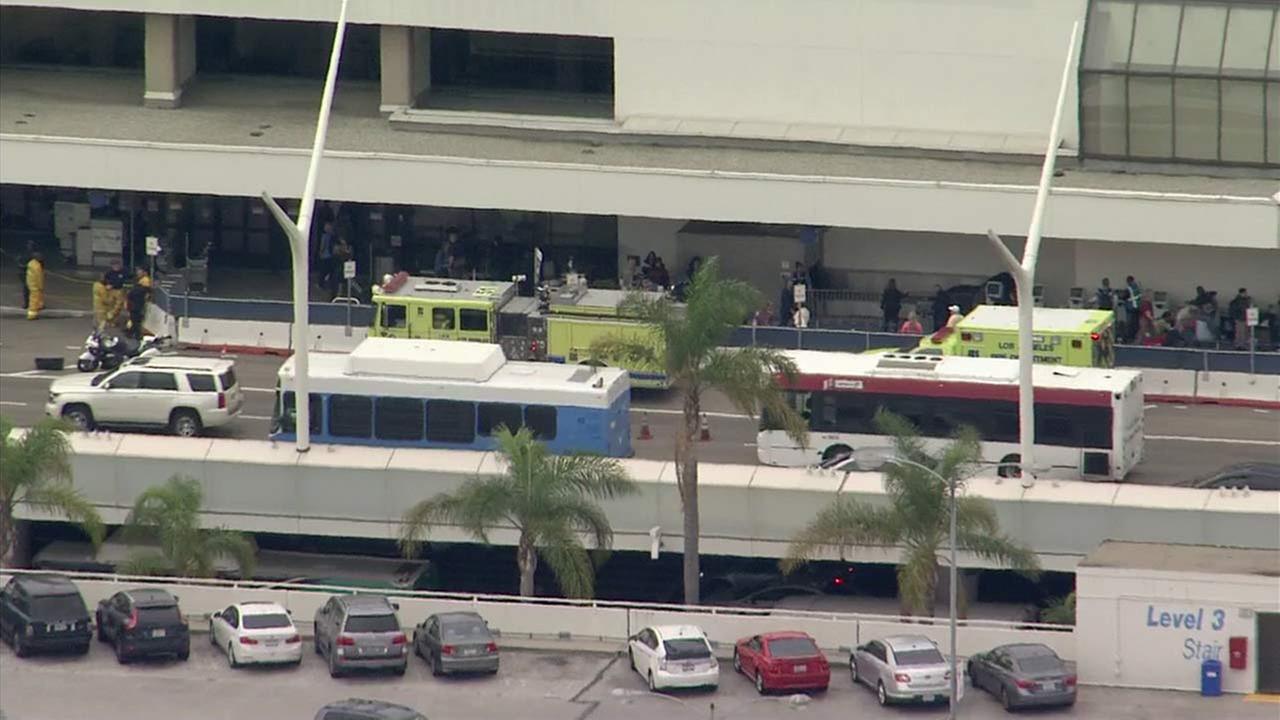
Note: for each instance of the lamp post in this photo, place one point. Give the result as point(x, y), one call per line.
point(1024, 272)
point(299, 235)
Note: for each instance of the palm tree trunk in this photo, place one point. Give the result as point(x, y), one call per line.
point(527, 559)
point(687, 477)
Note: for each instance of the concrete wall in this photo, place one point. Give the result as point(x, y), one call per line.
point(1122, 642)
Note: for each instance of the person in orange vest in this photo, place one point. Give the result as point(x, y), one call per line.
point(101, 302)
point(35, 285)
point(138, 297)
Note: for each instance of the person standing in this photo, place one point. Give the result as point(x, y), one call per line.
point(891, 305)
point(1104, 296)
point(911, 326)
point(116, 279)
point(35, 285)
point(101, 302)
point(800, 318)
point(23, 260)
point(941, 303)
point(139, 295)
point(955, 317)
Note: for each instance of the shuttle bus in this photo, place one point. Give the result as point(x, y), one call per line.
point(453, 395)
point(1089, 421)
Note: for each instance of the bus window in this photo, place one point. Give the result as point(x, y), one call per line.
point(541, 419)
point(394, 317)
point(1053, 430)
point(471, 320)
point(442, 318)
point(350, 416)
point(491, 416)
point(286, 417)
point(398, 418)
point(451, 421)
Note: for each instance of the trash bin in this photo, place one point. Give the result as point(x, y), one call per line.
point(1211, 678)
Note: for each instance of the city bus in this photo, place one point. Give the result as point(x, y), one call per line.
point(451, 394)
point(1089, 421)
point(1061, 336)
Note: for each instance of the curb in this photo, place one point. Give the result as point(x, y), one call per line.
point(52, 313)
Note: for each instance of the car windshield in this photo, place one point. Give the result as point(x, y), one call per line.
point(372, 624)
point(464, 631)
point(930, 656)
point(57, 607)
point(164, 615)
point(1039, 664)
point(261, 622)
point(686, 649)
point(792, 647)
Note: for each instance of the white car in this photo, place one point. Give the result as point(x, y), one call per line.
point(255, 632)
point(674, 656)
point(184, 394)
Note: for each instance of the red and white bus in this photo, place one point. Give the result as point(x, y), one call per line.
point(1089, 421)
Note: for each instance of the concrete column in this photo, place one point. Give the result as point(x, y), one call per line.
point(406, 65)
point(171, 58)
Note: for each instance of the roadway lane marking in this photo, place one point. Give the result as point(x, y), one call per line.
point(1223, 441)
point(1149, 407)
point(669, 411)
point(13, 403)
point(1262, 411)
point(255, 417)
point(261, 390)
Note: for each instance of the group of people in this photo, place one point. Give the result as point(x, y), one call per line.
point(1198, 321)
point(113, 303)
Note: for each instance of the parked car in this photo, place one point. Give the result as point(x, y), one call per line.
point(143, 622)
point(255, 632)
point(360, 709)
point(782, 661)
point(43, 612)
point(673, 656)
point(1024, 675)
point(902, 668)
point(184, 394)
point(456, 642)
point(361, 632)
point(1253, 475)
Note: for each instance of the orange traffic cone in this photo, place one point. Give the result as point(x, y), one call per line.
point(705, 435)
point(645, 434)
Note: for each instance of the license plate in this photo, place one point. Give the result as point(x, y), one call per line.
point(158, 633)
point(272, 643)
point(800, 668)
point(1048, 686)
point(688, 667)
point(59, 627)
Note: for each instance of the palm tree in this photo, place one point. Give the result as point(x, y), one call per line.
point(688, 344)
point(917, 518)
point(165, 521)
point(35, 470)
point(548, 499)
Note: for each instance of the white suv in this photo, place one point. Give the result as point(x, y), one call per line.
point(257, 631)
point(184, 394)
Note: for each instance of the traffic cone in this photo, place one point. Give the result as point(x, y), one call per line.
point(705, 435)
point(645, 434)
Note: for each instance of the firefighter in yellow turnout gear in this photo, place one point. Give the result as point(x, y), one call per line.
point(35, 285)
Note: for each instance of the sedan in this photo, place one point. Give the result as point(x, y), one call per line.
point(902, 668)
point(782, 661)
point(255, 632)
point(456, 642)
point(1024, 675)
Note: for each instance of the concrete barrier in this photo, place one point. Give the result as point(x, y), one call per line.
point(334, 338)
point(1169, 385)
point(243, 336)
point(1243, 389)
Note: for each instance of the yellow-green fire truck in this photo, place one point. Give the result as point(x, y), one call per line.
point(559, 328)
point(1062, 336)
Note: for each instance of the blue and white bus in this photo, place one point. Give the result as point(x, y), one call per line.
point(453, 394)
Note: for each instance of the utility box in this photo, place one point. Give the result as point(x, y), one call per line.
point(1211, 678)
point(1238, 653)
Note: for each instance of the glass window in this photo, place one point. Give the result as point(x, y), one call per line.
point(792, 647)
point(394, 316)
point(1040, 664)
point(1242, 126)
point(686, 649)
point(1155, 36)
point(161, 615)
point(1108, 35)
point(289, 417)
point(126, 381)
point(541, 419)
point(472, 320)
point(159, 381)
point(1195, 116)
point(228, 378)
point(1150, 117)
point(442, 318)
point(930, 656)
point(350, 416)
point(371, 624)
point(399, 418)
point(1104, 114)
point(1248, 37)
point(201, 383)
point(261, 622)
point(493, 415)
point(1200, 45)
point(451, 421)
point(57, 607)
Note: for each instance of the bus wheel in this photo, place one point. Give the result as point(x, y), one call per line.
point(836, 453)
point(1010, 466)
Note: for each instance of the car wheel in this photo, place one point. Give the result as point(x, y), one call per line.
point(315, 646)
point(334, 670)
point(185, 654)
point(837, 452)
point(231, 657)
point(100, 631)
point(80, 417)
point(400, 670)
point(184, 423)
point(1010, 466)
point(83, 649)
point(737, 661)
point(121, 657)
point(1004, 699)
point(437, 666)
point(87, 364)
point(882, 696)
point(631, 659)
point(417, 649)
point(19, 645)
point(213, 639)
point(760, 688)
point(653, 686)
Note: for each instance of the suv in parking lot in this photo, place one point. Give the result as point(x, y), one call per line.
point(143, 622)
point(184, 394)
point(361, 631)
point(43, 612)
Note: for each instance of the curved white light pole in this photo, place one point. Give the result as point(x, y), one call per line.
point(1024, 274)
point(299, 235)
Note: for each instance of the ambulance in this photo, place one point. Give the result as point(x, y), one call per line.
point(1062, 336)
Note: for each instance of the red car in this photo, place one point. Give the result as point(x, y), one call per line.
point(782, 661)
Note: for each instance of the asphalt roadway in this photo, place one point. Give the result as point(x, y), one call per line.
point(552, 683)
point(1183, 441)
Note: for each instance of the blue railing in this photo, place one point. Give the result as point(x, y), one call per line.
point(1267, 363)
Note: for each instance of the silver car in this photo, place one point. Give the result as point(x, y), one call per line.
point(902, 669)
point(361, 632)
point(1024, 675)
point(456, 642)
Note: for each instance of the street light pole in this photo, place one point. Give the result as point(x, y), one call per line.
point(1024, 273)
point(299, 240)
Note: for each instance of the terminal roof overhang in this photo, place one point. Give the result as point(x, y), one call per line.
point(243, 135)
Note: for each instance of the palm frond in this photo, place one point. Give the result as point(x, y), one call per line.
point(42, 454)
point(976, 515)
point(1000, 549)
point(144, 562)
point(843, 524)
point(593, 476)
point(749, 378)
point(65, 500)
point(569, 561)
point(582, 515)
point(917, 578)
point(220, 542)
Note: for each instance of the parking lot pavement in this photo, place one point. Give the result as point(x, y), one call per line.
point(532, 685)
